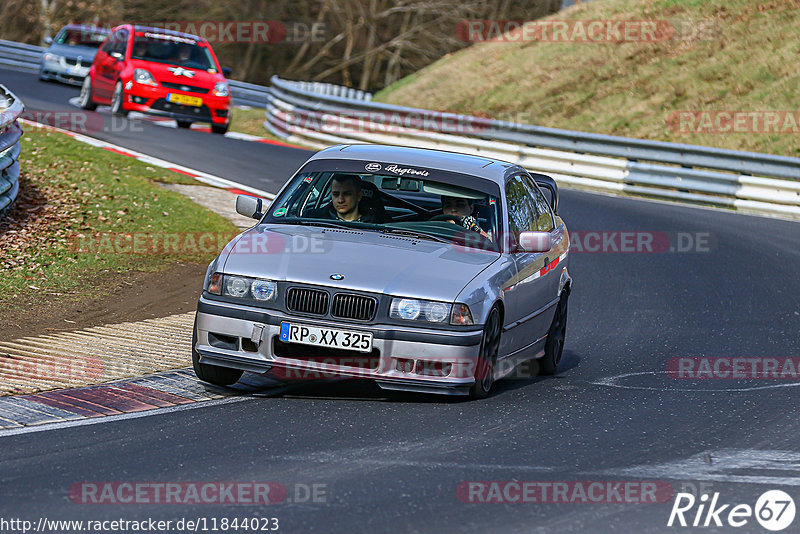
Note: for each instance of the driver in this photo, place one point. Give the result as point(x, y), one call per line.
point(139, 49)
point(463, 209)
point(183, 55)
point(345, 196)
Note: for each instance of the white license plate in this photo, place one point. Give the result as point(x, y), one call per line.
point(326, 337)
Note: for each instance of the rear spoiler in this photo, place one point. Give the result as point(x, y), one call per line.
point(548, 183)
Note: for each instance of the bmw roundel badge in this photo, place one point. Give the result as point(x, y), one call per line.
point(337, 276)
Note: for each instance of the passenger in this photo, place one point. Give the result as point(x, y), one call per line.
point(463, 208)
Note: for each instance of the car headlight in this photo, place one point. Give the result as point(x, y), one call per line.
point(144, 77)
point(243, 287)
point(419, 310)
point(221, 89)
point(264, 290)
point(236, 286)
point(52, 57)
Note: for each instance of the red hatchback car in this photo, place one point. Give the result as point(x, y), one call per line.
point(160, 72)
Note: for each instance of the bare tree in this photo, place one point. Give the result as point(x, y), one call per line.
point(367, 43)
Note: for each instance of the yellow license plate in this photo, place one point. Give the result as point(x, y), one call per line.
point(184, 99)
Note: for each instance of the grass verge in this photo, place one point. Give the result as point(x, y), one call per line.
point(75, 196)
point(723, 56)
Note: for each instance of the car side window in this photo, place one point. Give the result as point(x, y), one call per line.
point(109, 44)
point(522, 213)
point(121, 42)
point(544, 218)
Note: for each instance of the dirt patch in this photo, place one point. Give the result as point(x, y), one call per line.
point(129, 297)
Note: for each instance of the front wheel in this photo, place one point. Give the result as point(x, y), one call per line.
point(554, 346)
point(213, 374)
point(219, 128)
point(117, 100)
point(487, 356)
point(85, 98)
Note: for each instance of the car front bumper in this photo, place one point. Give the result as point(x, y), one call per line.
point(55, 70)
point(152, 100)
point(404, 358)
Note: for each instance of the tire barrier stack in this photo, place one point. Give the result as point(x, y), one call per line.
point(11, 108)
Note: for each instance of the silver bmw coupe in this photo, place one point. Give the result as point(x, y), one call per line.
point(423, 270)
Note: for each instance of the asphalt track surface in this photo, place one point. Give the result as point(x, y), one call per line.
point(394, 462)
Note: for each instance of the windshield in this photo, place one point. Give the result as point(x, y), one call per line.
point(415, 207)
point(81, 37)
point(173, 50)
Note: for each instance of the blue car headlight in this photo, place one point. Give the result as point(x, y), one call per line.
point(264, 290)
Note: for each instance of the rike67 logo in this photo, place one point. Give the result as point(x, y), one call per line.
point(774, 510)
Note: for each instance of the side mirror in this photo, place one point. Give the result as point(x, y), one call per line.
point(535, 241)
point(249, 206)
point(48, 40)
point(226, 71)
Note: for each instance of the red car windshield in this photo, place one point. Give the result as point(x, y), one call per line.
point(173, 50)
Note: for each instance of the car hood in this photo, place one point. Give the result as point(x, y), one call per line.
point(162, 73)
point(369, 261)
point(86, 53)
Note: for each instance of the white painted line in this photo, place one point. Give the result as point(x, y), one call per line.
point(121, 417)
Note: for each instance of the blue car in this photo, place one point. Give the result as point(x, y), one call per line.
point(71, 53)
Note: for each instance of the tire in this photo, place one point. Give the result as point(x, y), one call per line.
point(184, 124)
point(487, 356)
point(219, 128)
point(554, 346)
point(86, 101)
point(117, 100)
point(219, 376)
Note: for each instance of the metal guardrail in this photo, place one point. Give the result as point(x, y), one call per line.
point(11, 108)
point(746, 181)
point(20, 56)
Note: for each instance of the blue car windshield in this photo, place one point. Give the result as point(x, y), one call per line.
point(374, 201)
point(81, 37)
